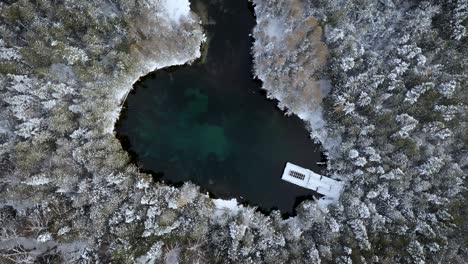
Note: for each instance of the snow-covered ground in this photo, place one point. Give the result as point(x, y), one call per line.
point(174, 11)
point(126, 86)
point(295, 85)
point(177, 9)
point(229, 206)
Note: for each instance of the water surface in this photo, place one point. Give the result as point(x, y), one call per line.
point(210, 123)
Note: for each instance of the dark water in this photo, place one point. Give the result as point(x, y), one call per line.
point(211, 124)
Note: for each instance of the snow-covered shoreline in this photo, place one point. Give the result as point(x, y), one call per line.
point(398, 102)
point(178, 11)
point(152, 66)
point(303, 98)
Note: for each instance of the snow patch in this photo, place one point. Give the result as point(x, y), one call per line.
point(177, 9)
point(64, 230)
point(154, 254)
point(275, 29)
point(150, 66)
point(122, 94)
point(230, 206)
point(37, 180)
point(44, 237)
point(142, 184)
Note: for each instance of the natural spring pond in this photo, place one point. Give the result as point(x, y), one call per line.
point(211, 124)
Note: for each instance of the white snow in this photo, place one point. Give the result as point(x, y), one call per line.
point(129, 215)
point(44, 237)
point(122, 94)
point(325, 201)
point(150, 66)
point(155, 253)
point(448, 89)
point(64, 230)
point(317, 124)
point(360, 162)
point(176, 9)
point(9, 54)
point(37, 180)
point(275, 29)
point(353, 154)
point(230, 206)
point(142, 184)
point(408, 123)
point(74, 54)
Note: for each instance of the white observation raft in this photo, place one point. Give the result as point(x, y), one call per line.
point(328, 187)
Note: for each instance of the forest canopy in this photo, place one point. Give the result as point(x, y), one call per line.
point(381, 84)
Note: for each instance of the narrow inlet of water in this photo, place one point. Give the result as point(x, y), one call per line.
point(210, 123)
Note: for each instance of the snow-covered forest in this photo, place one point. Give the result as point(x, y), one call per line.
point(382, 85)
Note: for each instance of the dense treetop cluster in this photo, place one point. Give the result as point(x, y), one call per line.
point(394, 122)
point(392, 76)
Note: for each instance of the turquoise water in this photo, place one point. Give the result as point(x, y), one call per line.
point(211, 124)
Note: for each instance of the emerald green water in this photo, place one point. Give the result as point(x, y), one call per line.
point(209, 123)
